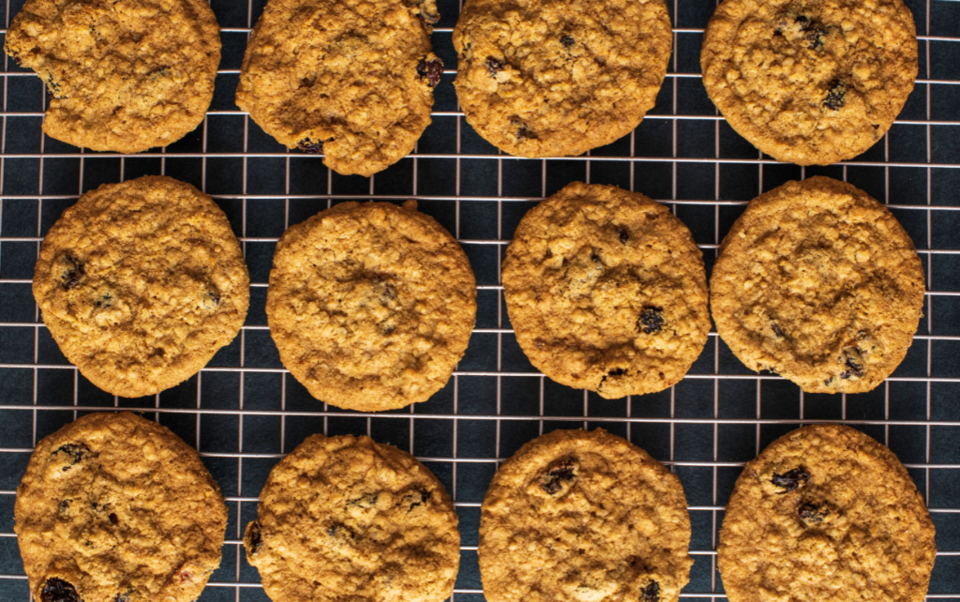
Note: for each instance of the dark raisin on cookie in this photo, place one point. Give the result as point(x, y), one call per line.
point(103, 301)
point(651, 320)
point(416, 499)
point(835, 97)
point(852, 362)
point(256, 539)
point(431, 70)
point(76, 450)
point(522, 132)
point(650, 593)
point(64, 508)
point(58, 590)
point(777, 330)
point(567, 42)
point(563, 471)
point(493, 66)
point(624, 236)
point(310, 147)
point(71, 269)
point(114, 520)
point(812, 514)
point(790, 480)
point(125, 597)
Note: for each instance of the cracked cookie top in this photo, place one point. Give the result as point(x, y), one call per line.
point(116, 508)
point(818, 282)
point(140, 283)
point(810, 81)
point(124, 75)
point(371, 305)
point(606, 291)
point(353, 80)
point(578, 516)
point(552, 78)
point(826, 513)
point(345, 518)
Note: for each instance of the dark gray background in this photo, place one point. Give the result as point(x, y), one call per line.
point(244, 411)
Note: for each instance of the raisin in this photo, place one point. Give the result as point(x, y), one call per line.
point(493, 66)
point(624, 236)
point(522, 132)
point(777, 330)
point(64, 508)
point(71, 272)
point(567, 42)
point(428, 17)
point(104, 301)
point(310, 147)
point(256, 539)
point(432, 70)
point(366, 501)
point(552, 480)
point(790, 480)
point(58, 590)
point(835, 96)
point(121, 598)
point(851, 359)
point(651, 320)
point(811, 514)
point(417, 498)
point(113, 519)
point(78, 451)
point(651, 593)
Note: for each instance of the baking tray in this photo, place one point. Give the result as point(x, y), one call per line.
point(243, 411)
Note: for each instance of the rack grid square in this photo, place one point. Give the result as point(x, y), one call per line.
point(244, 411)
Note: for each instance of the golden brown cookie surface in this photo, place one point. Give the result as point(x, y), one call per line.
point(606, 291)
point(124, 76)
point(115, 507)
point(345, 518)
point(820, 283)
point(810, 81)
point(584, 516)
point(140, 284)
point(371, 305)
point(552, 78)
point(353, 80)
point(826, 512)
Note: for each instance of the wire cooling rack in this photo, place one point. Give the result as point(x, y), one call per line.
point(243, 411)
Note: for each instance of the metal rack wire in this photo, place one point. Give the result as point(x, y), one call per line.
point(243, 411)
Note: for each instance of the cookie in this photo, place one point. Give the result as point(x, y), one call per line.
point(810, 81)
point(371, 305)
point(580, 516)
point(123, 76)
point(606, 291)
point(826, 513)
point(116, 508)
point(353, 80)
point(551, 78)
point(819, 283)
point(345, 518)
point(141, 283)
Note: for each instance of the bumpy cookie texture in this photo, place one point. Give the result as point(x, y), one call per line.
point(140, 283)
point(116, 508)
point(606, 291)
point(810, 81)
point(345, 518)
point(371, 305)
point(819, 283)
point(553, 78)
point(124, 76)
point(826, 513)
point(353, 80)
point(580, 516)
